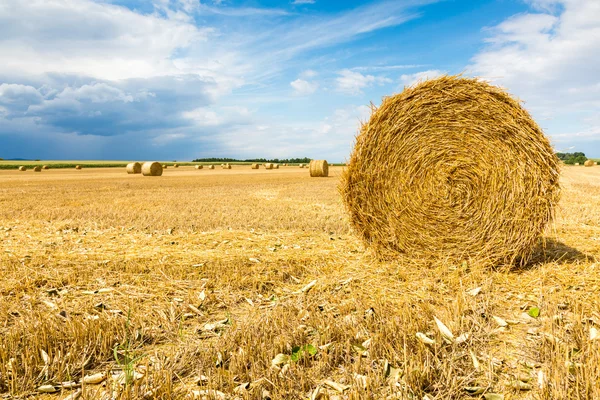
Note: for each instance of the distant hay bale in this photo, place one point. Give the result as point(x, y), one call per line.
point(134, 168)
point(78, 167)
point(301, 165)
point(22, 168)
point(318, 168)
point(175, 165)
point(276, 166)
point(152, 168)
point(269, 166)
point(226, 166)
point(211, 167)
point(589, 163)
point(595, 162)
point(199, 166)
point(451, 169)
point(255, 166)
point(165, 166)
point(37, 169)
point(45, 167)
point(576, 163)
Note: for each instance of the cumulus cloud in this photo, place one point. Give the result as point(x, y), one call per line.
point(304, 2)
point(411, 79)
point(549, 59)
point(353, 82)
point(303, 88)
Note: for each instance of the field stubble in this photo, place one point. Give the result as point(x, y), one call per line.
point(249, 284)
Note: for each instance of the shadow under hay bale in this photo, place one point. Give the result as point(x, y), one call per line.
point(415, 185)
point(553, 251)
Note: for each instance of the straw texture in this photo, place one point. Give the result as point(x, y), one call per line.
point(152, 169)
point(589, 163)
point(318, 168)
point(455, 169)
point(134, 168)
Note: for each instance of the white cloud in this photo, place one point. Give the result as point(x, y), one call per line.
point(551, 62)
point(353, 82)
point(411, 79)
point(303, 2)
point(303, 88)
point(307, 74)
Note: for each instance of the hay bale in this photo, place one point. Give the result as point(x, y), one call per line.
point(175, 165)
point(152, 168)
point(37, 169)
point(576, 163)
point(451, 169)
point(595, 162)
point(78, 167)
point(22, 168)
point(134, 168)
point(199, 166)
point(45, 167)
point(318, 168)
point(276, 166)
point(269, 166)
point(211, 167)
point(255, 166)
point(165, 166)
point(301, 165)
point(589, 163)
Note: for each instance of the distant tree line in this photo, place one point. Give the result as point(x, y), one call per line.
point(304, 160)
point(572, 158)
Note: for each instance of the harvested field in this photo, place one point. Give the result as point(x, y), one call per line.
point(247, 281)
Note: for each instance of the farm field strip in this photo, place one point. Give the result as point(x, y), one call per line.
point(235, 283)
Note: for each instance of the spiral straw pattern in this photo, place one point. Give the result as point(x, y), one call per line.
point(452, 168)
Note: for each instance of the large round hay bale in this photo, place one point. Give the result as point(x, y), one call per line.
point(134, 168)
point(45, 167)
point(37, 168)
point(78, 167)
point(589, 163)
point(454, 169)
point(175, 165)
point(318, 168)
point(255, 166)
point(269, 166)
point(276, 166)
point(211, 167)
point(152, 168)
point(199, 166)
point(22, 168)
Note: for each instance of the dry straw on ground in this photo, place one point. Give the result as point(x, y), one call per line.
point(589, 163)
point(199, 166)
point(152, 169)
point(452, 168)
point(134, 168)
point(318, 168)
point(255, 166)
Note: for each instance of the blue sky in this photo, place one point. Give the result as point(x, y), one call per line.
point(180, 79)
